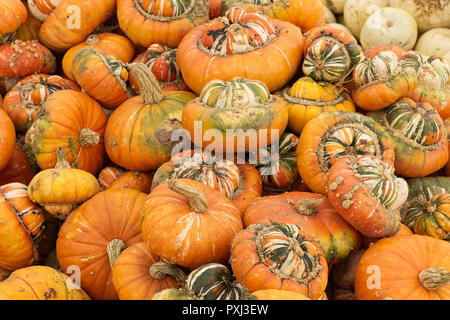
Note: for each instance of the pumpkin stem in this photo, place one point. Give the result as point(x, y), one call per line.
point(308, 207)
point(87, 137)
point(434, 278)
point(92, 39)
point(113, 249)
point(61, 159)
point(197, 199)
point(149, 86)
point(159, 270)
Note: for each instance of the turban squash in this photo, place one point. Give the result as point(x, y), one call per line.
point(305, 14)
point(413, 267)
point(162, 60)
point(242, 114)
point(240, 44)
point(333, 134)
point(24, 100)
point(419, 135)
point(381, 80)
point(41, 9)
point(67, 26)
point(151, 21)
point(367, 194)
point(279, 174)
point(314, 214)
point(307, 98)
point(23, 223)
point(432, 76)
point(279, 256)
point(95, 234)
point(189, 224)
point(73, 121)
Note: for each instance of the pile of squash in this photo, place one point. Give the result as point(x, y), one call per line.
point(224, 150)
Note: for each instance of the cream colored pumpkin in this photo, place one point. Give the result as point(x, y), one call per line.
point(389, 26)
point(435, 42)
point(341, 26)
point(337, 6)
point(428, 14)
point(329, 15)
point(356, 12)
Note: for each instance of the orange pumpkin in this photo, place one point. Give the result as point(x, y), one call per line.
point(18, 168)
point(107, 44)
point(223, 49)
point(94, 235)
point(108, 175)
point(275, 294)
point(138, 274)
point(314, 214)
point(190, 224)
point(413, 267)
point(141, 181)
point(367, 194)
point(73, 121)
point(167, 22)
point(73, 21)
point(279, 256)
point(29, 30)
point(13, 13)
point(7, 139)
point(25, 99)
point(403, 231)
point(138, 134)
point(21, 230)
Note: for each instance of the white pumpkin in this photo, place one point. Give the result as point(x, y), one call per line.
point(429, 14)
point(340, 26)
point(434, 42)
point(329, 15)
point(337, 6)
point(389, 26)
point(356, 12)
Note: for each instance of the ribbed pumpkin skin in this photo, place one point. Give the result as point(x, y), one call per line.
point(260, 254)
point(18, 168)
point(397, 261)
point(179, 235)
point(59, 35)
point(24, 100)
point(275, 294)
point(334, 134)
point(102, 77)
point(367, 194)
point(419, 136)
point(308, 98)
point(282, 175)
point(305, 14)
point(316, 217)
point(429, 217)
point(380, 81)
point(21, 230)
point(199, 66)
point(107, 44)
point(137, 136)
point(7, 139)
point(213, 281)
point(232, 107)
point(162, 60)
point(433, 74)
point(330, 54)
point(131, 274)
point(167, 23)
point(65, 114)
point(85, 234)
point(40, 283)
point(13, 14)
